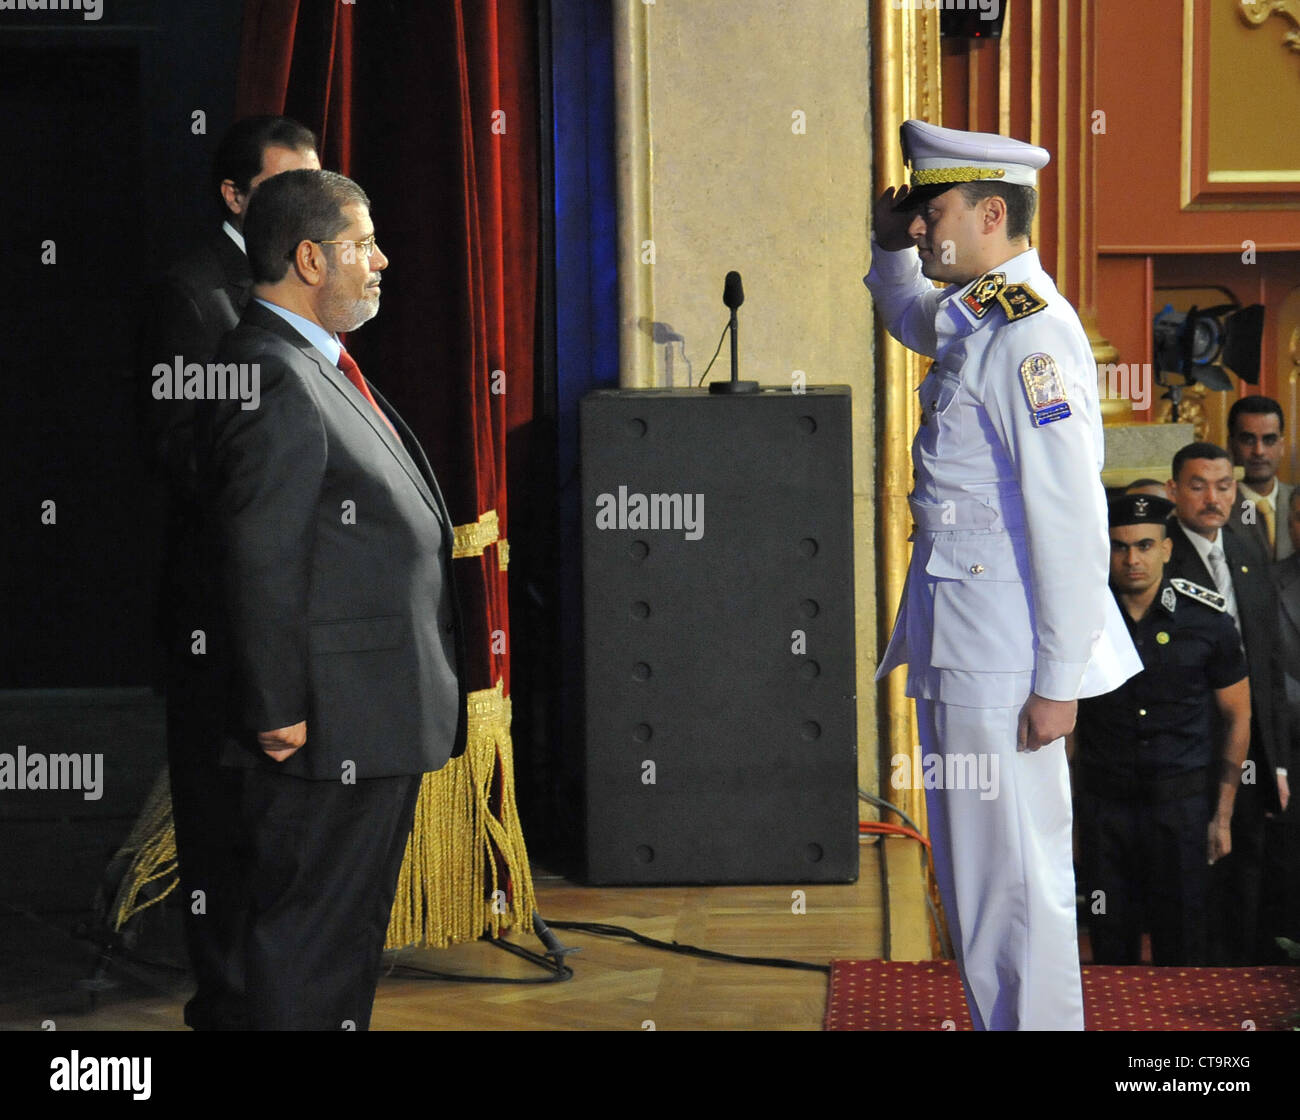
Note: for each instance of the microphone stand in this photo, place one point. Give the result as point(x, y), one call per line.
point(734, 385)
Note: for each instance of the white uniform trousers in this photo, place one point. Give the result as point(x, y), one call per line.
point(1005, 871)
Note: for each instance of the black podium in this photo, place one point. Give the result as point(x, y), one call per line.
point(720, 720)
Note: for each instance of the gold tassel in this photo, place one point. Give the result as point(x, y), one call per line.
point(447, 889)
point(153, 841)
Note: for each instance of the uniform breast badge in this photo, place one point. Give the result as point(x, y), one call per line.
point(1044, 389)
point(1168, 599)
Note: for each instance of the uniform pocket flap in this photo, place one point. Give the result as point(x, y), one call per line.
point(990, 556)
point(347, 635)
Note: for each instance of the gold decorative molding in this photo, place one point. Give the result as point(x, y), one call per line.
point(1191, 410)
point(1201, 185)
point(1256, 12)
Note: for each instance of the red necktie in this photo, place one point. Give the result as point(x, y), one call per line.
point(353, 373)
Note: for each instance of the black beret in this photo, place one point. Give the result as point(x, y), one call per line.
point(1139, 509)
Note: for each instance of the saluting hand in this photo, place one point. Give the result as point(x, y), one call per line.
point(283, 741)
point(891, 225)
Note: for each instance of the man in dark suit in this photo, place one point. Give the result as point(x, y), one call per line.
point(1282, 846)
point(1206, 550)
point(189, 310)
point(334, 548)
point(1287, 574)
point(1255, 426)
point(202, 296)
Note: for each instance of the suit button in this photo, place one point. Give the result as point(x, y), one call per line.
point(976, 569)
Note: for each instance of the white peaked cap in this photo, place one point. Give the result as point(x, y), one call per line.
point(947, 156)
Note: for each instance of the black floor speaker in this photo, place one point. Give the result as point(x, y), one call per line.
point(720, 719)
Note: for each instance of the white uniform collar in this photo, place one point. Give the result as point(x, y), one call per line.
point(955, 318)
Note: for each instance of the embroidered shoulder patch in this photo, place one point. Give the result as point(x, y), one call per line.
point(1020, 301)
point(1200, 594)
point(1044, 389)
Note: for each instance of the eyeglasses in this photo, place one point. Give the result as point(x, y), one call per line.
point(365, 247)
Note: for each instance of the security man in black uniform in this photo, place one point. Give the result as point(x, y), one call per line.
point(1155, 796)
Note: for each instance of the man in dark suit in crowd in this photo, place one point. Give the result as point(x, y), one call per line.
point(1208, 551)
point(189, 310)
point(1284, 841)
point(334, 548)
point(1255, 426)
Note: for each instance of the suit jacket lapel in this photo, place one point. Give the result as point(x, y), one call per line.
point(1190, 562)
point(335, 376)
point(1288, 591)
point(234, 267)
point(417, 456)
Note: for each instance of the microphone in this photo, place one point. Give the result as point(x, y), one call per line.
point(733, 295)
point(733, 291)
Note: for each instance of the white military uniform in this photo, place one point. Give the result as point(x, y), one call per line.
point(1007, 594)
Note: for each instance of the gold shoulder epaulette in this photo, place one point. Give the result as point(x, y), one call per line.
point(1020, 301)
point(1017, 300)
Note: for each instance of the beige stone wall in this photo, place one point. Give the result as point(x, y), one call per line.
point(744, 143)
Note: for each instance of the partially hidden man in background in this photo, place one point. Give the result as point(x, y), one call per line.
point(189, 310)
point(1006, 618)
point(334, 549)
point(1206, 549)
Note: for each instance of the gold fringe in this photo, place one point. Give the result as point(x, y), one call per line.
point(154, 843)
point(447, 890)
point(955, 175)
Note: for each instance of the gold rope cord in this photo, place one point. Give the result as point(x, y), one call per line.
point(473, 539)
point(955, 175)
point(445, 889)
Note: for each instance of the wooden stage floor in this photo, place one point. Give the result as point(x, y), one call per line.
point(617, 984)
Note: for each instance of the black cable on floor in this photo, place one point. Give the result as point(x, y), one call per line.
point(606, 930)
point(556, 969)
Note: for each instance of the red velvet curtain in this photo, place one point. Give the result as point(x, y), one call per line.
point(432, 108)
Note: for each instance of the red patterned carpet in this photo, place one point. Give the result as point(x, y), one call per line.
point(927, 996)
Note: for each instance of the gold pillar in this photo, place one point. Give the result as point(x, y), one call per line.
point(906, 62)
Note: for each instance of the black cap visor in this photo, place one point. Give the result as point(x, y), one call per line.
point(917, 197)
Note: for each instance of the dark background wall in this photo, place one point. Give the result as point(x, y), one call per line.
point(104, 161)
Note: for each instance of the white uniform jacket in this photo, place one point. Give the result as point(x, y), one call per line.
point(1007, 591)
